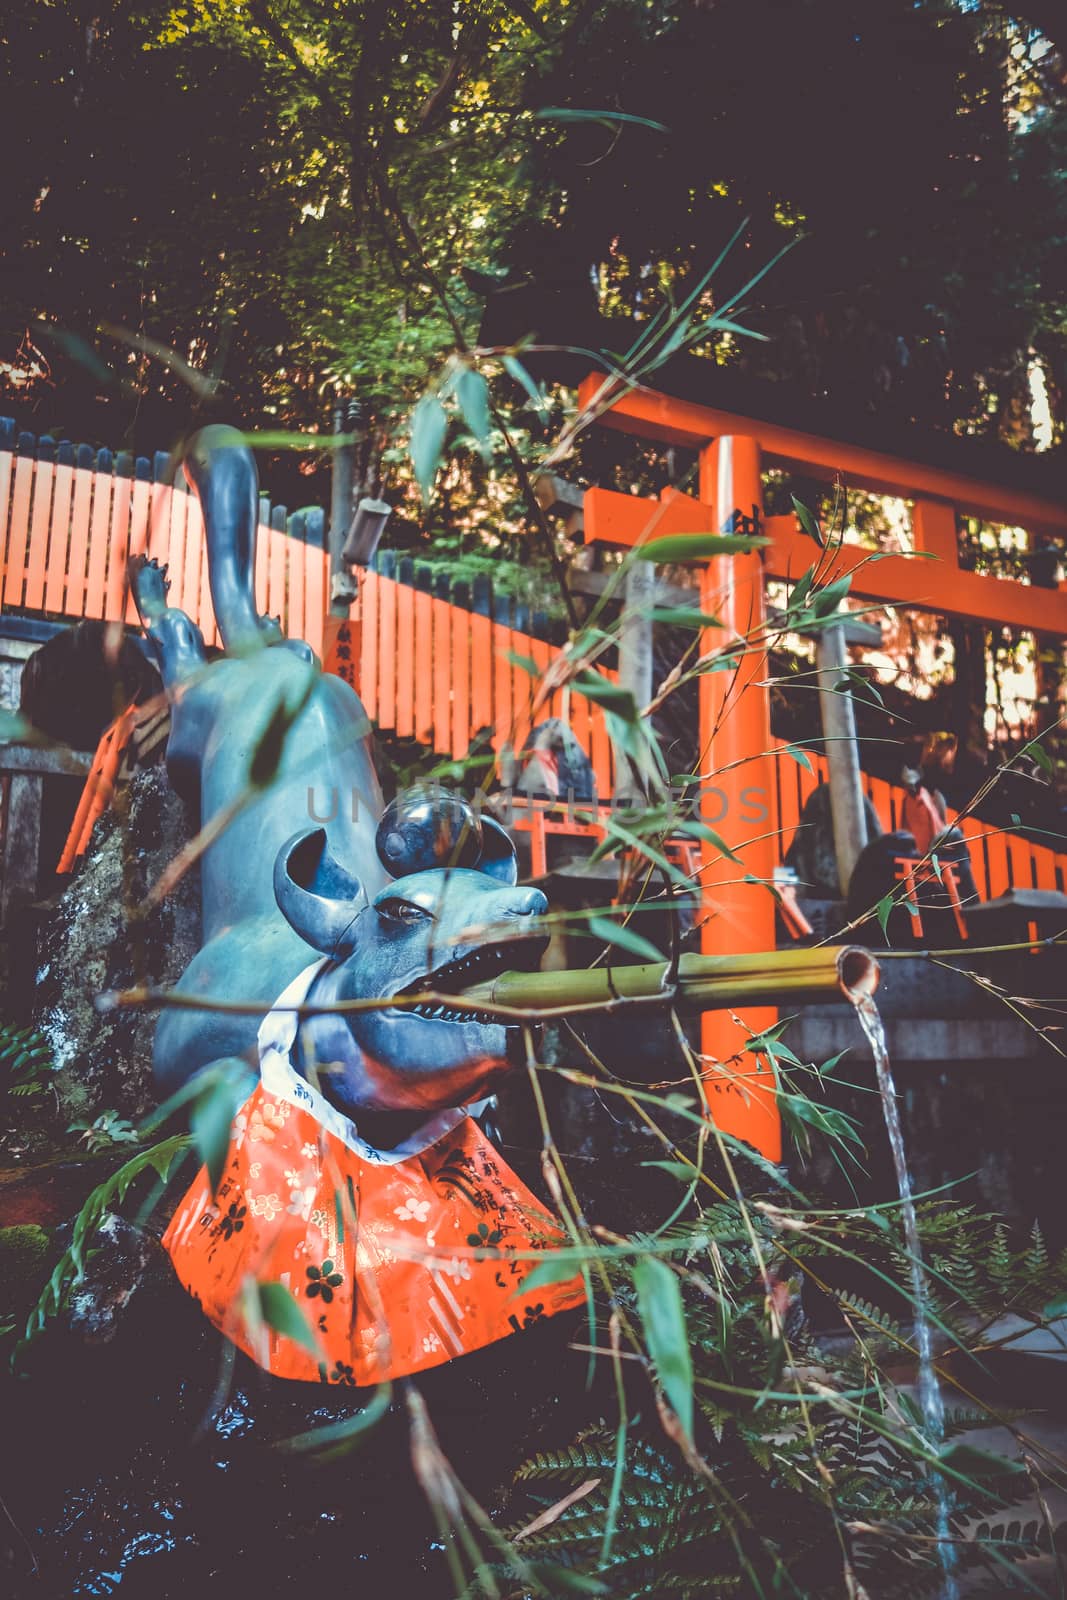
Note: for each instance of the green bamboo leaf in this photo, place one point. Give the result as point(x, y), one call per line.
point(515, 369)
point(684, 617)
point(700, 830)
point(808, 522)
point(212, 1117)
point(524, 663)
point(1037, 752)
point(580, 114)
point(429, 424)
point(472, 395)
point(659, 1299)
point(697, 546)
point(618, 933)
point(827, 600)
point(970, 1462)
point(619, 701)
point(549, 1271)
point(883, 910)
point(280, 1311)
point(334, 1439)
point(801, 757)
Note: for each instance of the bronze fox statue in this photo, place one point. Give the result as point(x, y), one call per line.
point(420, 896)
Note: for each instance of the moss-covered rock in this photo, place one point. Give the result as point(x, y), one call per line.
point(25, 1257)
point(97, 940)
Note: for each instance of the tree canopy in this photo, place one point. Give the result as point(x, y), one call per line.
point(297, 198)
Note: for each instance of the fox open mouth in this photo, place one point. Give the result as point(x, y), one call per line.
point(487, 962)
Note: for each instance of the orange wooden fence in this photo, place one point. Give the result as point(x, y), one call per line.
point(999, 860)
point(430, 671)
point(68, 527)
point(451, 679)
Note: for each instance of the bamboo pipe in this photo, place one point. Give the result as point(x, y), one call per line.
point(705, 983)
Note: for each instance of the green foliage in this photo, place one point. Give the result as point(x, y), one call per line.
point(26, 1064)
point(159, 1158)
point(806, 1462)
point(107, 1129)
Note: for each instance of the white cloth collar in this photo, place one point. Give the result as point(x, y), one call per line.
point(277, 1035)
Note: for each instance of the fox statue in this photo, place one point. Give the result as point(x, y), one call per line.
point(356, 1175)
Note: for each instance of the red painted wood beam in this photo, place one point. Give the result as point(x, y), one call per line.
point(661, 417)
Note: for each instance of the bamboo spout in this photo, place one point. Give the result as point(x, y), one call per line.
point(705, 983)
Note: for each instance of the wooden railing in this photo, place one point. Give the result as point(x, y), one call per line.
point(451, 679)
point(70, 518)
point(999, 860)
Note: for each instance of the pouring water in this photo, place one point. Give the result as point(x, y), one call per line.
point(930, 1401)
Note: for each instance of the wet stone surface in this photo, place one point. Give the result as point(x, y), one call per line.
point(148, 1464)
point(92, 945)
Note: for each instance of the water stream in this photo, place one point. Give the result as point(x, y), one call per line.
point(930, 1401)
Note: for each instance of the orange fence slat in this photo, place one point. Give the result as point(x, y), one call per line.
point(261, 579)
point(996, 846)
point(297, 573)
point(189, 578)
point(481, 710)
point(503, 712)
point(405, 661)
point(386, 653)
point(461, 681)
point(125, 508)
point(7, 464)
point(1044, 866)
point(83, 482)
point(177, 535)
point(15, 569)
point(276, 597)
point(40, 517)
point(973, 832)
point(139, 516)
point(786, 770)
point(207, 620)
point(99, 544)
point(315, 596)
point(59, 543)
point(368, 665)
point(579, 720)
point(600, 753)
point(442, 676)
point(423, 667)
point(1021, 858)
point(523, 689)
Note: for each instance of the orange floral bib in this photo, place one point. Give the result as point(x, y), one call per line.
point(399, 1259)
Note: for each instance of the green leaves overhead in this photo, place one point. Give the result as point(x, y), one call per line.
point(515, 369)
point(429, 424)
point(472, 395)
point(608, 118)
point(808, 522)
point(678, 547)
point(466, 391)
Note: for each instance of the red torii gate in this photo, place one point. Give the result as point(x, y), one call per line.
point(735, 735)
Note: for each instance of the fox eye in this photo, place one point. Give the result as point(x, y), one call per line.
point(403, 912)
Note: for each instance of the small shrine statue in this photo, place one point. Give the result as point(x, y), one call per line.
point(357, 1174)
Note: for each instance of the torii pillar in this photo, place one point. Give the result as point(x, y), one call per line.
point(737, 795)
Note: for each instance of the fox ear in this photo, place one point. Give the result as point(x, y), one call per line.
point(317, 896)
point(498, 857)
